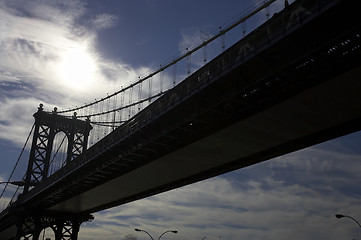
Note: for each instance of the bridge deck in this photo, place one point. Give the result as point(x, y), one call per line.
point(268, 95)
point(311, 117)
point(238, 113)
point(237, 110)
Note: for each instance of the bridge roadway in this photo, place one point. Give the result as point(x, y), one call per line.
point(293, 82)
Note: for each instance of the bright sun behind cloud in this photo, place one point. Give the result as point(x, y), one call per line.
point(76, 69)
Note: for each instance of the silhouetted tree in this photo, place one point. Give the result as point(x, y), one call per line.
point(129, 237)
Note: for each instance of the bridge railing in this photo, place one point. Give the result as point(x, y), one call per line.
point(280, 25)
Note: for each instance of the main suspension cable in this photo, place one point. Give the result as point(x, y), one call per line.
point(180, 57)
point(17, 162)
point(124, 107)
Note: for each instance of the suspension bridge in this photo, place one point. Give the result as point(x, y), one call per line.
point(291, 83)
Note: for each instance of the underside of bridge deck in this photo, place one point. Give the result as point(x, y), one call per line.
point(297, 89)
point(284, 96)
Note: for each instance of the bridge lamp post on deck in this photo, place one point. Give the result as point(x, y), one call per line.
point(341, 216)
point(16, 183)
point(141, 230)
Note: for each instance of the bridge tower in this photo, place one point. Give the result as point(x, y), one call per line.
point(31, 222)
point(47, 125)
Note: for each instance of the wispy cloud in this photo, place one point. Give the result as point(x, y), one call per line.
point(290, 197)
point(258, 202)
point(48, 56)
point(104, 21)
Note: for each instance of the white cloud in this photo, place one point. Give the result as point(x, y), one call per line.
point(294, 196)
point(34, 60)
point(104, 21)
point(259, 203)
point(16, 123)
point(63, 12)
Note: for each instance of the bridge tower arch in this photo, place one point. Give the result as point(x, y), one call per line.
point(31, 222)
point(58, 152)
point(64, 227)
point(47, 125)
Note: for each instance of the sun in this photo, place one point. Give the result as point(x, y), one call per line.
point(76, 69)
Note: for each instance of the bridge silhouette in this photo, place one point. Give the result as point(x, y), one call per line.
point(291, 83)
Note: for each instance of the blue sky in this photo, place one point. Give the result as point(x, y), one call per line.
point(113, 42)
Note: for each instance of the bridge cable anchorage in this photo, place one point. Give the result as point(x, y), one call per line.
point(17, 162)
point(148, 77)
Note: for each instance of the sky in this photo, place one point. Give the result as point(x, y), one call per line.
point(65, 53)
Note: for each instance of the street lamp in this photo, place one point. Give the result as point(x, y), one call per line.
point(141, 230)
point(172, 231)
point(16, 183)
point(341, 216)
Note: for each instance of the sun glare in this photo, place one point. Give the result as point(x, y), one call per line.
point(76, 69)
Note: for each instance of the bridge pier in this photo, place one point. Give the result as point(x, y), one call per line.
point(30, 222)
point(64, 227)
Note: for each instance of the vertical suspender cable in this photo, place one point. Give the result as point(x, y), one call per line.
point(140, 96)
point(150, 89)
point(223, 38)
point(174, 74)
point(161, 77)
point(244, 28)
point(189, 62)
point(114, 107)
point(130, 101)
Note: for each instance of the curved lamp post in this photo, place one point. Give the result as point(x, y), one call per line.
point(141, 230)
point(16, 183)
point(172, 231)
point(341, 216)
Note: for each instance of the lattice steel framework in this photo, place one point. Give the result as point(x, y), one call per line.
point(65, 227)
point(47, 125)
